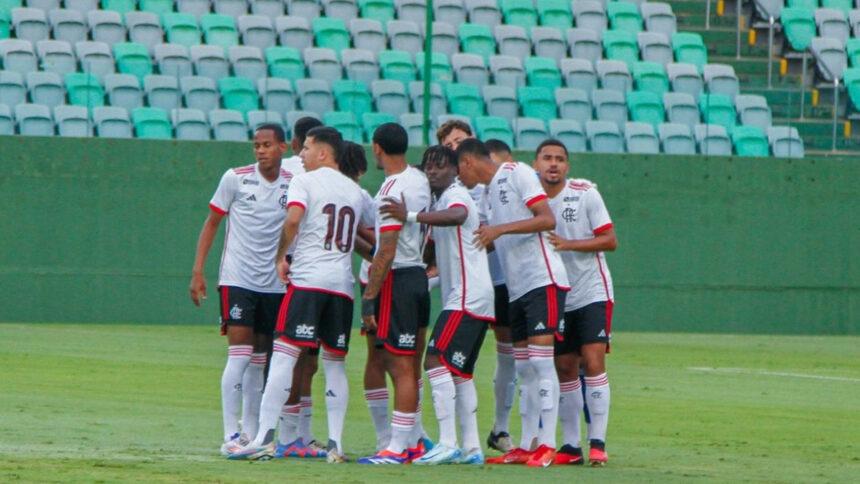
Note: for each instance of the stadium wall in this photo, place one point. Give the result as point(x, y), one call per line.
point(102, 230)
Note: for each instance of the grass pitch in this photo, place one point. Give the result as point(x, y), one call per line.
point(141, 403)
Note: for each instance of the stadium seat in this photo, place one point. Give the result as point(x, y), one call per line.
point(95, 58)
point(410, 10)
point(854, 22)
point(73, 121)
point(537, 102)
point(112, 122)
point(470, 69)
point(330, 33)
point(414, 125)
point(267, 8)
point(464, 99)
point(232, 8)
point(228, 125)
point(659, 18)
point(570, 132)
point(219, 30)
point(830, 58)
point(445, 39)
point(45, 88)
point(84, 89)
point(151, 123)
point(239, 94)
point(144, 28)
point(7, 122)
point(604, 137)
point(441, 70)
point(851, 80)
point(640, 138)
point(210, 61)
point(690, 48)
point(381, 10)
point(31, 24)
point(106, 26)
point(309, 9)
point(173, 60)
point(199, 93)
point(158, 7)
point(548, 42)
point(590, 15)
point(843, 6)
point(180, 28)
point(655, 47)
point(352, 96)
point(718, 109)
point(507, 71)
point(360, 65)
point(485, 12)
point(405, 36)
point(529, 133)
point(676, 139)
point(512, 40)
point(477, 39)
point(120, 6)
point(294, 32)
point(190, 124)
point(162, 91)
point(396, 65)
point(685, 78)
point(624, 16)
point(323, 63)
point(501, 101)
point(651, 77)
point(852, 50)
point(66, 25)
point(247, 61)
point(712, 140)
point(198, 8)
point(260, 117)
point(315, 96)
point(371, 121)
point(367, 34)
point(542, 72)
point(123, 90)
point(5, 31)
point(621, 45)
point(645, 107)
point(82, 6)
point(285, 62)
point(277, 94)
point(584, 44)
point(721, 79)
point(579, 74)
point(56, 56)
point(681, 108)
point(18, 55)
point(258, 31)
point(785, 142)
point(342, 9)
point(753, 111)
point(519, 12)
point(609, 105)
point(811, 4)
point(292, 116)
point(573, 104)
point(12, 88)
point(494, 127)
point(438, 104)
point(832, 23)
point(750, 141)
point(345, 122)
point(34, 120)
point(614, 75)
point(390, 97)
point(132, 58)
point(555, 13)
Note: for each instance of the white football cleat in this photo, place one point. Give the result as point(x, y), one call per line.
point(440, 454)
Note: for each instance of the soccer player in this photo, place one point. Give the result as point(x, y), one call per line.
point(396, 302)
point(537, 282)
point(252, 198)
point(323, 213)
point(583, 233)
point(467, 295)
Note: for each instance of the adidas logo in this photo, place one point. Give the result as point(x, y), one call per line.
point(540, 326)
point(602, 333)
point(330, 393)
point(252, 198)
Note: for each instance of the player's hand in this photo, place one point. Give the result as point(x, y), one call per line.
point(394, 208)
point(368, 314)
point(283, 270)
point(197, 288)
point(486, 234)
point(559, 243)
point(432, 271)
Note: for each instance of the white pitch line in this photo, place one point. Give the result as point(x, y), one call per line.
point(753, 371)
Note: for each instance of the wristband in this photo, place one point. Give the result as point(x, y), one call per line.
point(368, 307)
point(412, 217)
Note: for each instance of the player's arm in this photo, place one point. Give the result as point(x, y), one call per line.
point(379, 267)
point(451, 216)
point(542, 220)
point(605, 241)
point(364, 245)
point(204, 243)
point(295, 213)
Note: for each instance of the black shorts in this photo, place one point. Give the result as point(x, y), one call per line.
point(310, 317)
point(589, 324)
point(457, 339)
point(402, 307)
point(243, 307)
point(537, 312)
point(502, 304)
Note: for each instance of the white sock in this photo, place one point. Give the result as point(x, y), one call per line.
point(306, 411)
point(288, 430)
point(418, 429)
point(467, 411)
point(238, 358)
point(597, 398)
point(336, 396)
point(504, 386)
point(569, 407)
point(444, 394)
point(402, 424)
point(542, 359)
point(284, 359)
point(377, 403)
point(252, 393)
point(529, 412)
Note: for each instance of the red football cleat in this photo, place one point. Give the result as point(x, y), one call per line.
point(597, 456)
point(568, 455)
point(543, 456)
point(516, 456)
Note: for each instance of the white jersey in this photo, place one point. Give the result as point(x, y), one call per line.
point(294, 165)
point(333, 206)
point(412, 186)
point(464, 274)
point(255, 216)
point(581, 214)
point(370, 205)
point(528, 260)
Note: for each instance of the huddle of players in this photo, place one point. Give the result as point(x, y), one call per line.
point(507, 246)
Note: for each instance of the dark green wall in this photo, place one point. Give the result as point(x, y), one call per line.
point(104, 230)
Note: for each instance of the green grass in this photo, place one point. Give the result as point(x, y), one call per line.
point(140, 403)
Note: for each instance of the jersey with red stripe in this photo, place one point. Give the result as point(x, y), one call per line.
point(581, 214)
point(464, 274)
point(370, 214)
point(528, 260)
point(255, 215)
point(411, 186)
point(334, 206)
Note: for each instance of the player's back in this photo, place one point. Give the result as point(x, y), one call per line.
point(411, 186)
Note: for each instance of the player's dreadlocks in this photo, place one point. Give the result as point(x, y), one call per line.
point(352, 162)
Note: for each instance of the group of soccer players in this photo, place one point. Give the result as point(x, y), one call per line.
point(513, 247)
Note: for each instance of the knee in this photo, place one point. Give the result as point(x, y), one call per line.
point(567, 368)
point(431, 361)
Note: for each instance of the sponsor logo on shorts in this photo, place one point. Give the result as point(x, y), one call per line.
point(236, 312)
point(407, 340)
point(341, 340)
point(432, 343)
point(602, 333)
point(561, 325)
point(458, 359)
point(305, 331)
point(540, 326)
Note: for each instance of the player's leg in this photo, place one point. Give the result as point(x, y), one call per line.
point(252, 382)
point(570, 397)
point(310, 366)
point(334, 338)
point(376, 391)
point(595, 338)
point(289, 444)
point(239, 329)
point(419, 441)
point(504, 380)
point(461, 356)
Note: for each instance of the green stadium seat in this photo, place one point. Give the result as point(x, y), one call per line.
point(396, 65)
point(477, 39)
point(718, 109)
point(158, 7)
point(811, 4)
point(219, 30)
point(151, 123)
point(537, 102)
point(799, 27)
point(441, 70)
point(690, 48)
point(8, 5)
point(851, 78)
point(852, 49)
point(542, 72)
point(132, 58)
point(494, 127)
point(352, 96)
point(519, 12)
point(346, 123)
point(371, 121)
point(181, 28)
point(239, 94)
point(5, 23)
point(285, 62)
point(381, 10)
point(650, 76)
point(750, 141)
point(624, 16)
point(84, 89)
point(555, 13)
point(844, 5)
point(621, 45)
point(121, 6)
point(464, 99)
point(645, 107)
point(331, 33)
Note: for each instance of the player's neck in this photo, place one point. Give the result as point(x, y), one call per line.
point(553, 189)
point(269, 173)
point(487, 171)
point(439, 191)
point(393, 165)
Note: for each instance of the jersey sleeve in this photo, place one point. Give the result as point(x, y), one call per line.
point(598, 216)
point(298, 194)
point(458, 198)
point(225, 193)
point(368, 210)
point(526, 181)
point(387, 222)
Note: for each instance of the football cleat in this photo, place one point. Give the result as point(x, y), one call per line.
point(385, 457)
point(440, 454)
point(472, 457)
point(500, 441)
point(332, 455)
point(427, 443)
point(254, 452)
point(417, 451)
point(234, 443)
point(542, 457)
point(295, 448)
point(314, 450)
point(597, 456)
point(515, 456)
point(568, 455)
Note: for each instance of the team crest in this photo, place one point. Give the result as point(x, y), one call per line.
point(568, 214)
point(236, 312)
point(283, 200)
